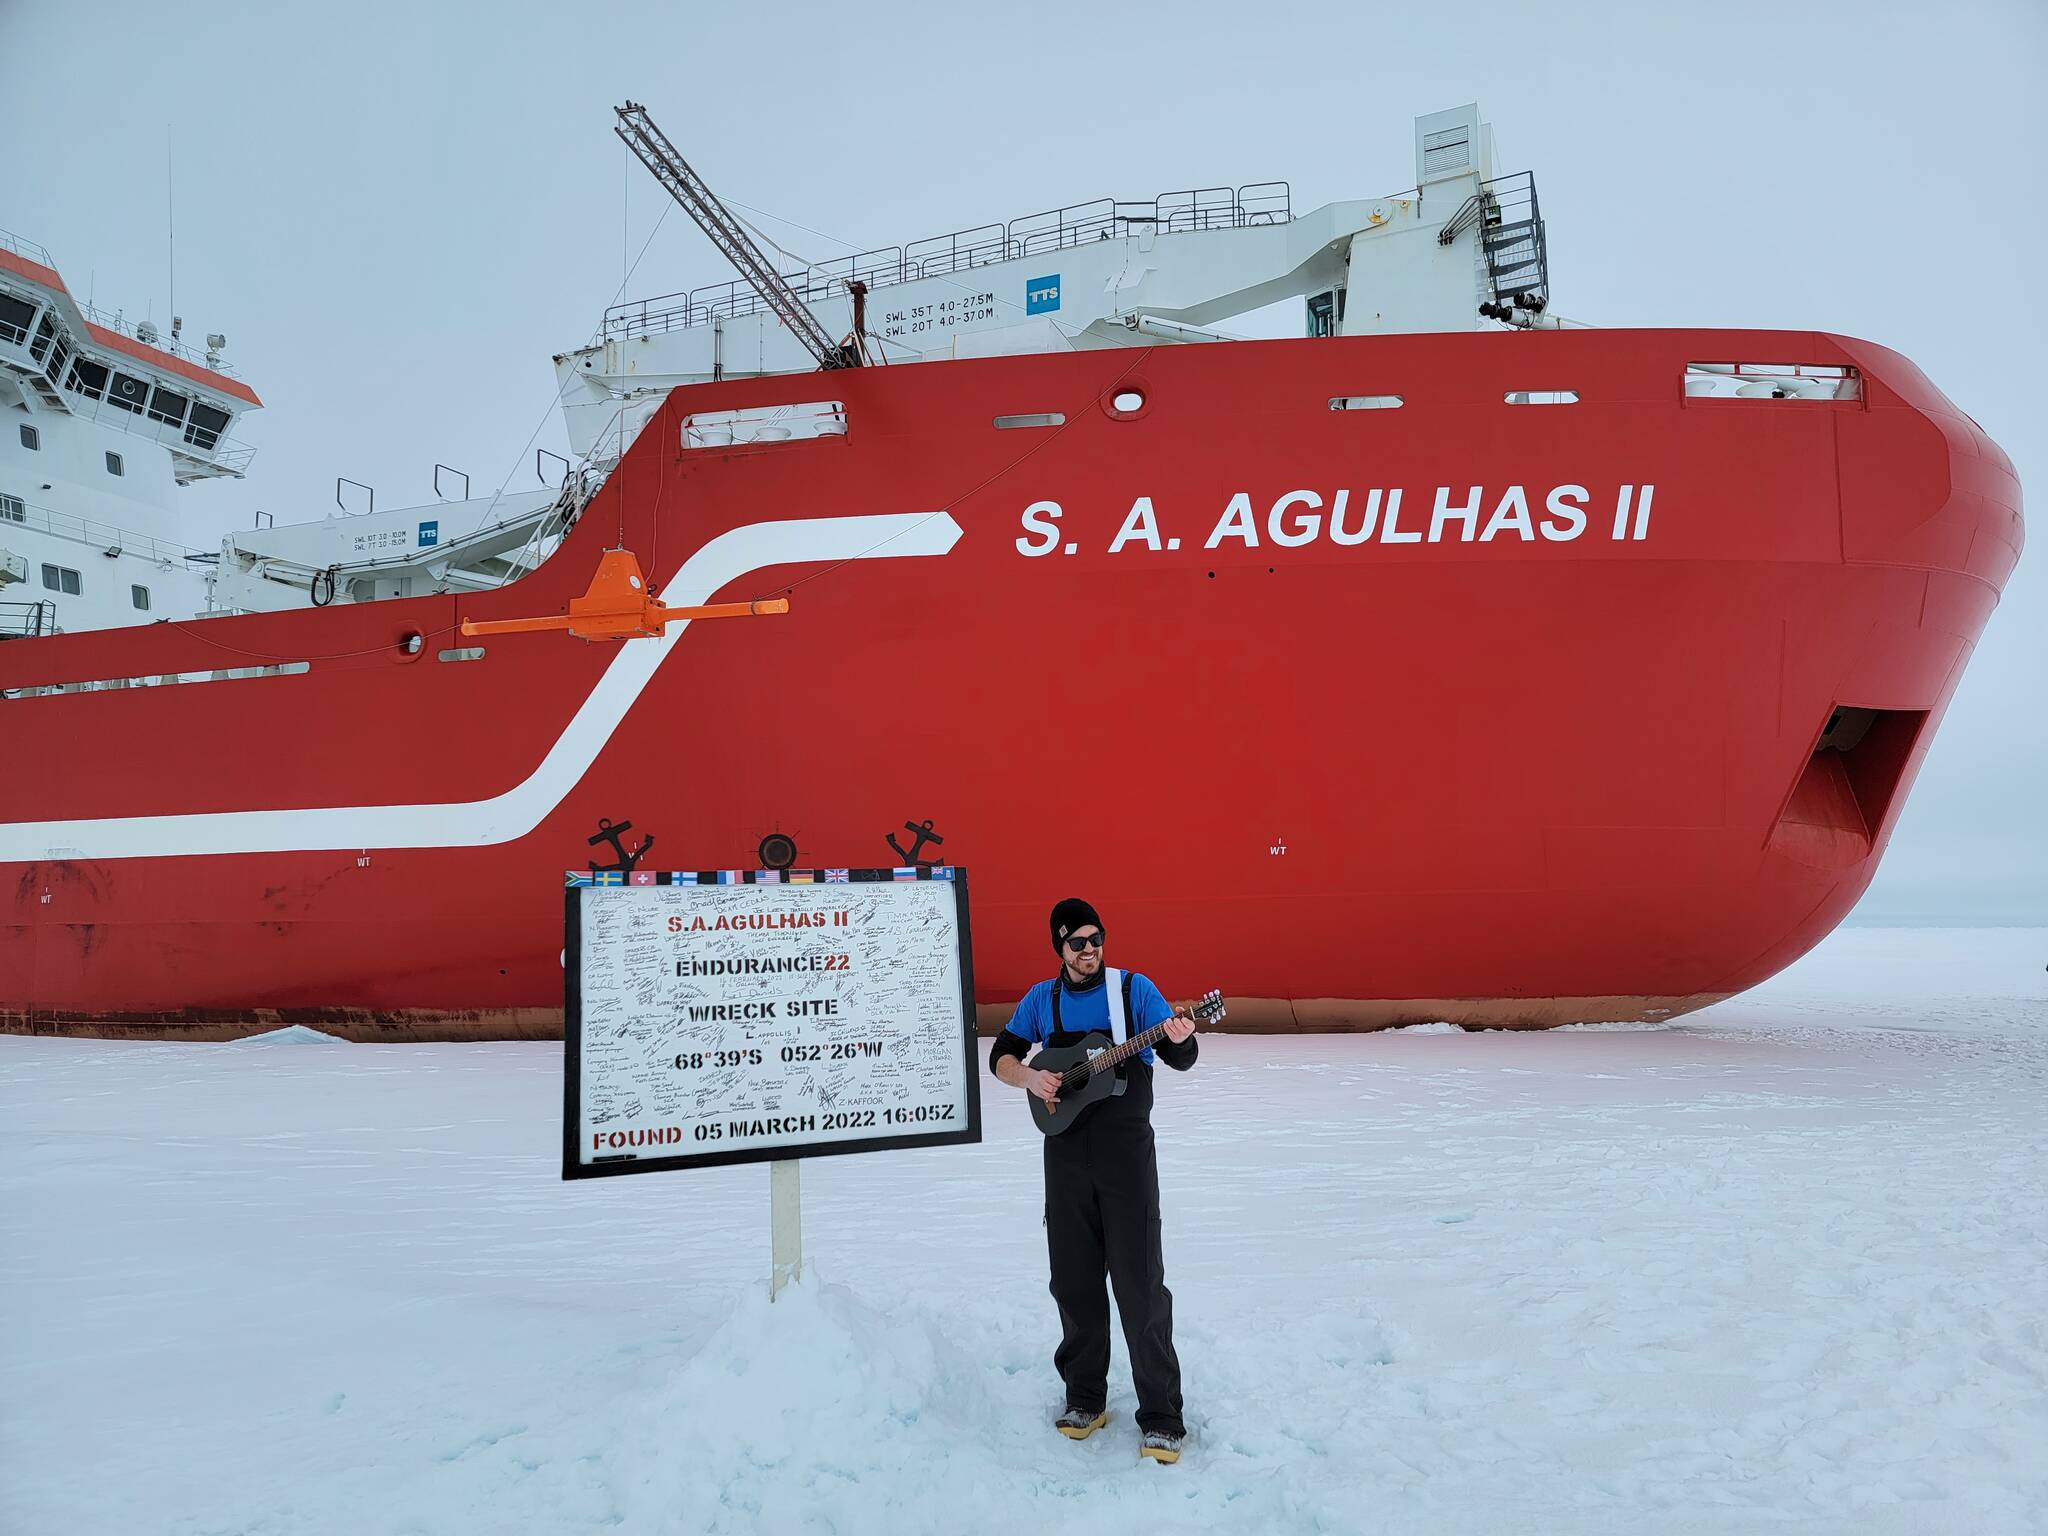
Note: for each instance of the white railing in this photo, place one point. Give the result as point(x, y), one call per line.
point(87, 530)
point(26, 248)
point(161, 341)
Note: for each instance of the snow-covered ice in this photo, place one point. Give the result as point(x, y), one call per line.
point(1779, 1265)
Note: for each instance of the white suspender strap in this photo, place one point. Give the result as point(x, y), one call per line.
point(1119, 1027)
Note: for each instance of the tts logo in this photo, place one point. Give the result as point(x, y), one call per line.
point(1042, 294)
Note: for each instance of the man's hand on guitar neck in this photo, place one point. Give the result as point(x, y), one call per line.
point(1182, 1024)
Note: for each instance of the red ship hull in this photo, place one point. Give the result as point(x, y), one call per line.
point(1515, 774)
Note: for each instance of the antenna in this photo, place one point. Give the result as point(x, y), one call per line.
point(171, 218)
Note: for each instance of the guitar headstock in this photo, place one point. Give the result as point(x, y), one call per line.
point(1208, 1008)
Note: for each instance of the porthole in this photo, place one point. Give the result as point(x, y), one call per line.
point(1127, 401)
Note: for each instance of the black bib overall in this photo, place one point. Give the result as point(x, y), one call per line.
point(1102, 1217)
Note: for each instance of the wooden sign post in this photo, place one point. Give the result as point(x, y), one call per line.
point(785, 1224)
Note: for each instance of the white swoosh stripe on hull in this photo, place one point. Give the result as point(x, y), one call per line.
point(516, 812)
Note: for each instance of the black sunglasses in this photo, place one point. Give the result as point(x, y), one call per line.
point(1080, 941)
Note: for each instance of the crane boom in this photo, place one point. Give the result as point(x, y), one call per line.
point(702, 204)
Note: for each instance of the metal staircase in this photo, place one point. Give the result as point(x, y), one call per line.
point(25, 621)
point(1512, 250)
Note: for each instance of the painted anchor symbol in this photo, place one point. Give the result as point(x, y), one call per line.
point(923, 832)
point(607, 832)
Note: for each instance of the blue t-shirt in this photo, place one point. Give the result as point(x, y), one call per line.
point(1087, 1012)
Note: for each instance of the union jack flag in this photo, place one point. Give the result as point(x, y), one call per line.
point(942, 872)
point(835, 877)
point(609, 877)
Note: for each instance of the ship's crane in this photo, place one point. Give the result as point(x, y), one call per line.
point(648, 142)
point(619, 605)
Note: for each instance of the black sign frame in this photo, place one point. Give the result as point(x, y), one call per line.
point(572, 1048)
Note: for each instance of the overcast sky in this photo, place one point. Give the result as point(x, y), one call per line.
point(398, 212)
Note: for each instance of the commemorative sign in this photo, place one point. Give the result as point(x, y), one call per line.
point(743, 1016)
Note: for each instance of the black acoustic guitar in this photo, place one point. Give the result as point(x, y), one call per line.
point(1088, 1070)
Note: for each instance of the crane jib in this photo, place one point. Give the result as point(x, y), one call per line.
point(655, 152)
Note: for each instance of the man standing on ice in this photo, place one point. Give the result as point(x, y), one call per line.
point(1102, 1184)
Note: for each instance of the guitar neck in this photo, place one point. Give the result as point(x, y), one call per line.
point(1116, 1055)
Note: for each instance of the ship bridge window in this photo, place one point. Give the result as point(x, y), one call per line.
point(129, 393)
point(88, 378)
point(15, 319)
point(167, 406)
point(206, 425)
point(31, 439)
point(114, 465)
point(45, 334)
point(61, 578)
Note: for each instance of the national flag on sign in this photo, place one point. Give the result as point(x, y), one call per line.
point(802, 877)
point(574, 877)
point(609, 877)
point(730, 877)
point(835, 877)
point(942, 871)
point(767, 877)
point(679, 877)
point(643, 877)
point(905, 874)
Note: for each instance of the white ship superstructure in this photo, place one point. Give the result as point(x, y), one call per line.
point(1463, 249)
point(103, 423)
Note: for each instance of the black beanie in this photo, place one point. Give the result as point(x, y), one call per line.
point(1071, 914)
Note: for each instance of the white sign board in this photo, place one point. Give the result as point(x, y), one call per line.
point(761, 1018)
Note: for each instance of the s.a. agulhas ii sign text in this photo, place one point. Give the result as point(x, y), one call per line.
point(1341, 517)
point(766, 1017)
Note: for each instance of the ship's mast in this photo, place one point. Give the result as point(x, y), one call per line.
point(716, 220)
